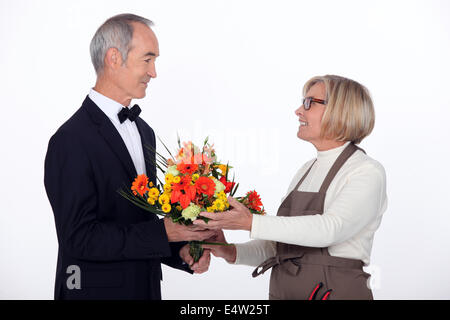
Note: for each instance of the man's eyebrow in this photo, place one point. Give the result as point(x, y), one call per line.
point(150, 54)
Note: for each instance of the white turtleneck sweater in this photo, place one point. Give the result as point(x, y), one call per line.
point(354, 204)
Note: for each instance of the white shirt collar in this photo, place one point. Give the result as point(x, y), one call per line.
point(332, 153)
point(110, 107)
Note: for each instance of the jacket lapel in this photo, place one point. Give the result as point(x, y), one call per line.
point(111, 136)
point(148, 147)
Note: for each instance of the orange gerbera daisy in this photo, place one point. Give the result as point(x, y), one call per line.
point(205, 185)
point(187, 168)
point(140, 185)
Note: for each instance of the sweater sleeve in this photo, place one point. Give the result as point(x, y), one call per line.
point(253, 253)
point(356, 205)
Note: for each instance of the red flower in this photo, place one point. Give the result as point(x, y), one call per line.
point(184, 182)
point(187, 168)
point(254, 200)
point(228, 185)
point(205, 185)
point(185, 201)
point(183, 192)
point(191, 191)
point(175, 196)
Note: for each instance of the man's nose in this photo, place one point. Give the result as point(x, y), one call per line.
point(152, 71)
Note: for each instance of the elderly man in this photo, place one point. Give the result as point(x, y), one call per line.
point(109, 248)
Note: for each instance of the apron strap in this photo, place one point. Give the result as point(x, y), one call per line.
point(343, 157)
point(304, 176)
point(292, 262)
point(276, 260)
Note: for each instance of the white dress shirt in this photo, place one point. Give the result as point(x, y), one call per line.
point(127, 130)
point(354, 205)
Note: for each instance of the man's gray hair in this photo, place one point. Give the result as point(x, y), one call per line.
point(116, 32)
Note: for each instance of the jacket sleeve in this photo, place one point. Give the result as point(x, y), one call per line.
point(71, 189)
point(174, 260)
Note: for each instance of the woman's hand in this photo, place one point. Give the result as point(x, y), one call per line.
point(179, 232)
point(237, 218)
point(221, 251)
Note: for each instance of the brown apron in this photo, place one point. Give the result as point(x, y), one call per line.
point(297, 270)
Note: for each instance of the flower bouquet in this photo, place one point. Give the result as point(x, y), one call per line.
point(194, 181)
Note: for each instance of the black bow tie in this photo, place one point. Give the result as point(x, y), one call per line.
point(131, 114)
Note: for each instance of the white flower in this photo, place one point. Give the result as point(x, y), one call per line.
point(173, 170)
point(191, 212)
point(219, 187)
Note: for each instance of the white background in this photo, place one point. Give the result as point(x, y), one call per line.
point(234, 70)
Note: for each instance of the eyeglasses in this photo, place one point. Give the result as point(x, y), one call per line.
point(307, 102)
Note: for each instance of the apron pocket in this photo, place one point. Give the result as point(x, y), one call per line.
point(284, 285)
point(348, 284)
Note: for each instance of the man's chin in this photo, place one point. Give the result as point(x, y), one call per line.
point(140, 95)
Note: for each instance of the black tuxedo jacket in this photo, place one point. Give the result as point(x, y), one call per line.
point(117, 246)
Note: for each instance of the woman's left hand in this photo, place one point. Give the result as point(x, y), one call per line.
point(237, 218)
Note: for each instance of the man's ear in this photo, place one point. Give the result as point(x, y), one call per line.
point(113, 58)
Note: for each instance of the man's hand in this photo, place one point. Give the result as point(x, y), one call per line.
point(178, 232)
point(201, 265)
point(221, 251)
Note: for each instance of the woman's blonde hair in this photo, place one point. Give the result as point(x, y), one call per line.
point(349, 114)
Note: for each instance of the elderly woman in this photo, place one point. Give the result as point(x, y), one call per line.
point(322, 235)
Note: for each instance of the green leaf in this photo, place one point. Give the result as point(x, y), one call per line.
point(166, 148)
point(233, 191)
point(195, 250)
point(226, 173)
point(161, 157)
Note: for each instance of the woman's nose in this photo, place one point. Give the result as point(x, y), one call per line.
point(298, 111)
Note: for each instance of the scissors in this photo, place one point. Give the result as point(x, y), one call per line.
point(325, 296)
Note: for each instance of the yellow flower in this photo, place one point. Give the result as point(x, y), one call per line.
point(219, 204)
point(153, 193)
point(166, 208)
point(151, 200)
point(179, 208)
point(222, 196)
point(195, 176)
point(169, 178)
point(164, 199)
point(167, 187)
point(176, 179)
